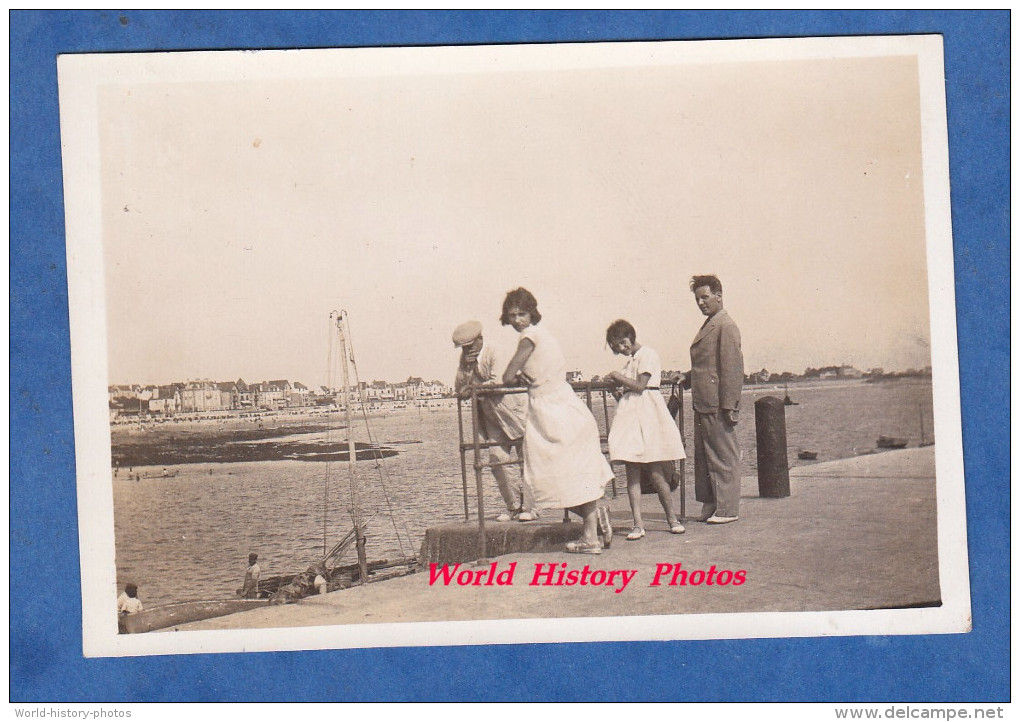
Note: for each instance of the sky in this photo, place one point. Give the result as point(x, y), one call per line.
point(238, 212)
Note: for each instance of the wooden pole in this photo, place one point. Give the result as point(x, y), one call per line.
point(359, 528)
point(770, 434)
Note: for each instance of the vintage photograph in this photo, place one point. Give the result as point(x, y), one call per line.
point(520, 343)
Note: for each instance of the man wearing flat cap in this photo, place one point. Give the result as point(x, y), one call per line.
point(501, 417)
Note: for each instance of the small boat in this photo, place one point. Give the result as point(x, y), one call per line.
point(289, 588)
point(807, 455)
point(787, 401)
point(891, 442)
point(165, 474)
point(171, 615)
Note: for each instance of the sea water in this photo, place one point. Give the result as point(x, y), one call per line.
point(188, 536)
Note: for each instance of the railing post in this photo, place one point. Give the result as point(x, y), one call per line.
point(605, 411)
point(478, 472)
point(463, 460)
point(678, 391)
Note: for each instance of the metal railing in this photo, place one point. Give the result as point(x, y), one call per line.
point(477, 444)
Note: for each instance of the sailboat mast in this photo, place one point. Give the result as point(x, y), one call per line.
point(352, 452)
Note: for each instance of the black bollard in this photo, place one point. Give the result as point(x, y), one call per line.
point(770, 431)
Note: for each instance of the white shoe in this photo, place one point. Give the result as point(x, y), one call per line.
point(720, 519)
point(505, 516)
point(526, 516)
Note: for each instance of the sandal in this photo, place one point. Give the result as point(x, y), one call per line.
point(583, 547)
point(676, 528)
point(635, 534)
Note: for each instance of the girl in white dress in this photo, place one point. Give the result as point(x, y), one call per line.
point(563, 461)
point(644, 435)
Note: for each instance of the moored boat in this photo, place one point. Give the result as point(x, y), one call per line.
point(171, 615)
point(891, 442)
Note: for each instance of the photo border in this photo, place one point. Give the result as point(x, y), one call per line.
point(83, 79)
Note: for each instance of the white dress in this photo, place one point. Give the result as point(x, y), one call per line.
point(563, 459)
point(643, 429)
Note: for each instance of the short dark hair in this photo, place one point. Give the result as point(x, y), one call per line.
point(713, 283)
point(620, 329)
point(252, 558)
point(523, 299)
point(131, 590)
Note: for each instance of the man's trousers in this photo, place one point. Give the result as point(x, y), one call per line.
point(716, 463)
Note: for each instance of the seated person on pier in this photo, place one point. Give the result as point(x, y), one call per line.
point(501, 417)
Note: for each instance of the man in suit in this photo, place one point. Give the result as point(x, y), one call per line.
point(717, 374)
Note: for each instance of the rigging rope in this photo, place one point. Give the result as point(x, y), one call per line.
point(383, 474)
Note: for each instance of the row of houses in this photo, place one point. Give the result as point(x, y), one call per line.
point(412, 389)
point(208, 395)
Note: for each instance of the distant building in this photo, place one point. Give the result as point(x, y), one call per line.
point(379, 391)
point(299, 394)
point(245, 395)
point(203, 395)
point(122, 406)
point(435, 390)
point(122, 391)
point(228, 394)
point(847, 371)
point(166, 400)
point(273, 394)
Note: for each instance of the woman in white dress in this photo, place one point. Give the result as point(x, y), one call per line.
point(563, 461)
point(644, 435)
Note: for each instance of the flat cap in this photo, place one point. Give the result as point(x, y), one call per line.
point(466, 333)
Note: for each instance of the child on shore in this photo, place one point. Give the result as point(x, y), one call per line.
point(644, 435)
point(250, 588)
point(128, 601)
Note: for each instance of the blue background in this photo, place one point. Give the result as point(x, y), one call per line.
point(45, 615)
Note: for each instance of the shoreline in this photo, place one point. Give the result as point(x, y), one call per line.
point(244, 417)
